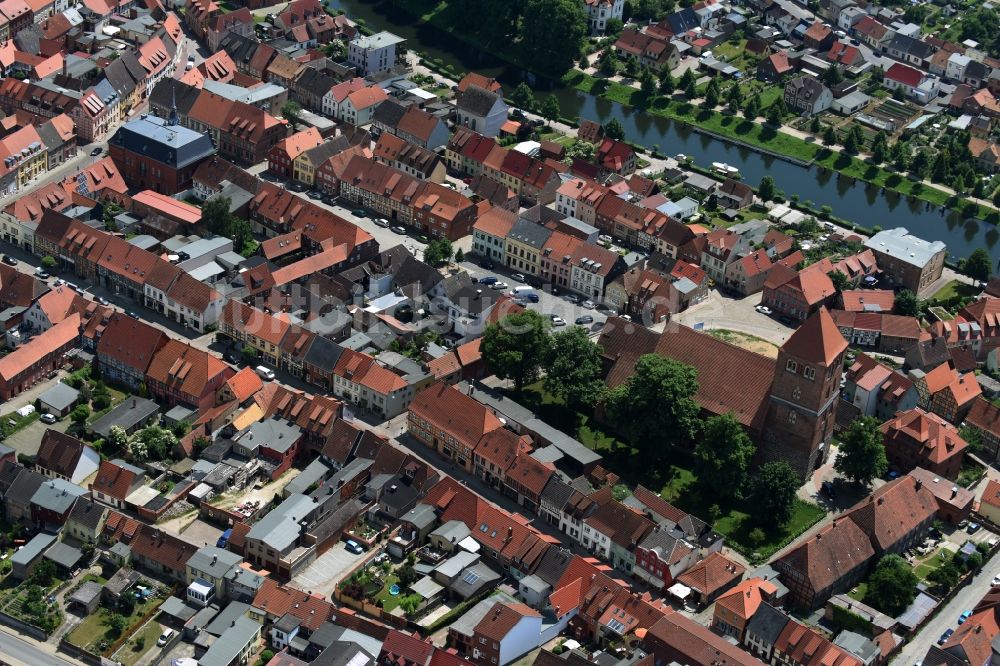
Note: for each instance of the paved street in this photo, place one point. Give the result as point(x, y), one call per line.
point(20, 652)
point(947, 618)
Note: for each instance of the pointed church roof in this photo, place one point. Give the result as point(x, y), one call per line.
point(818, 340)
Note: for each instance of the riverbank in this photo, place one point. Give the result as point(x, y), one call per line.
point(766, 139)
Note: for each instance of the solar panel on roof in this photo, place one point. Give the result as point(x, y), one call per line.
point(470, 577)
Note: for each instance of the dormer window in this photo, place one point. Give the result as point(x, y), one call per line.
point(791, 366)
point(809, 373)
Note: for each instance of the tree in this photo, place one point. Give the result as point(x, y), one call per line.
point(80, 414)
point(647, 85)
point(688, 78)
point(978, 266)
point(839, 280)
point(152, 443)
point(44, 573)
point(774, 115)
point(734, 97)
point(945, 576)
point(722, 456)
point(880, 148)
point(829, 136)
point(832, 76)
point(907, 304)
point(581, 150)
point(248, 353)
point(573, 368)
point(655, 407)
point(117, 437)
point(613, 27)
point(690, 88)
point(861, 457)
point(899, 155)
point(711, 96)
point(111, 211)
point(752, 108)
point(814, 125)
point(892, 586)
point(516, 346)
point(438, 251)
point(613, 130)
point(522, 97)
point(766, 188)
point(555, 49)
point(126, 604)
point(667, 82)
point(291, 110)
point(459, 256)
point(217, 218)
point(550, 108)
point(607, 64)
point(772, 492)
point(407, 575)
point(117, 623)
point(851, 144)
point(48, 262)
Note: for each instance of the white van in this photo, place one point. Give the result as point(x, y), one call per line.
point(522, 291)
point(165, 637)
point(264, 372)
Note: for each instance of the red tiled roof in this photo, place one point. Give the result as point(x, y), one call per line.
point(448, 409)
point(113, 480)
point(905, 75)
point(936, 439)
point(893, 511)
point(744, 599)
point(818, 340)
point(129, 342)
point(712, 574)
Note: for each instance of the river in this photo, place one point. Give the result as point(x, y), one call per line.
point(856, 201)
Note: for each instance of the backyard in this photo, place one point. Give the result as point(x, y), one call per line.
point(102, 631)
point(138, 644)
point(676, 481)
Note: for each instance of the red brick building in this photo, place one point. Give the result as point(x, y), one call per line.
point(915, 438)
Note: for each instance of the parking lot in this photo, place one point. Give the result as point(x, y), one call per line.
point(321, 577)
point(201, 533)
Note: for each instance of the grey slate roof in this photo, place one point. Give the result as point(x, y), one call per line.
point(24, 487)
point(553, 564)
point(225, 618)
point(60, 396)
point(34, 548)
point(421, 516)
point(213, 561)
point(389, 113)
point(129, 413)
point(476, 101)
point(273, 433)
point(323, 353)
point(767, 623)
point(173, 145)
point(64, 555)
point(280, 527)
point(227, 646)
point(57, 495)
point(530, 234)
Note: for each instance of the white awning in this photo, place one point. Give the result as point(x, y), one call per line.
point(680, 591)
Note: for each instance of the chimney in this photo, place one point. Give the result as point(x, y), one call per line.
point(954, 491)
point(919, 484)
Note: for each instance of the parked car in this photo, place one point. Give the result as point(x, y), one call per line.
point(585, 319)
point(382, 222)
point(499, 286)
point(264, 372)
point(9, 260)
point(133, 314)
point(47, 418)
point(827, 488)
point(353, 546)
point(558, 321)
point(42, 274)
point(487, 264)
point(573, 298)
point(996, 581)
point(164, 637)
point(398, 230)
point(359, 212)
point(964, 616)
point(763, 309)
point(531, 297)
point(973, 528)
point(96, 151)
point(589, 305)
point(945, 636)
point(315, 194)
point(489, 279)
point(103, 301)
point(519, 277)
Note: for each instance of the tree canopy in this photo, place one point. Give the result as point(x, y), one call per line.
point(438, 251)
point(892, 586)
point(979, 266)
point(552, 49)
point(861, 457)
point(516, 346)
point(772, 492)
point(722, 456)
point(655, 407)
point(573, 368)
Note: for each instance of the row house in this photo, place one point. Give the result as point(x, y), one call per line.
point(450, 422)
point(181, 374)
point(917, 439)
point(876, 390)
point(945, 391)
point(371, 386)
point(411, 123)
point(126, 349)
point(409, 158)
point(885, 333)
point(531, 179)
point(649, 50)
point(399, 197)
point(284, 153)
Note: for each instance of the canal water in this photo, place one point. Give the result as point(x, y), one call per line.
point(852, 200)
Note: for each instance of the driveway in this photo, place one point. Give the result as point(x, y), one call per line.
point(29, 439)
point(322, 576)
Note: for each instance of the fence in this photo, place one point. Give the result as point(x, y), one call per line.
point(23, 627)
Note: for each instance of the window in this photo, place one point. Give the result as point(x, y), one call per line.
point(809, 373)
point(791, 366)
point(792, 417)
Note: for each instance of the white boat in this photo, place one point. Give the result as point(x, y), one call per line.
point(722, 167)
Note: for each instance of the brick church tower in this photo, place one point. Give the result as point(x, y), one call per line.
point(802, 405)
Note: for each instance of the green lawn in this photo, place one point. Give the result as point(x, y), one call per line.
point(929, 564)
point(94, 628)
point(675, 478)
point(858, 593)
point(146, 637)
point(953, 289)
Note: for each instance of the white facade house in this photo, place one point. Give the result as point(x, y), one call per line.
point(955, 68)
point(480, 110)
point(599, 12)
point(372, 54)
